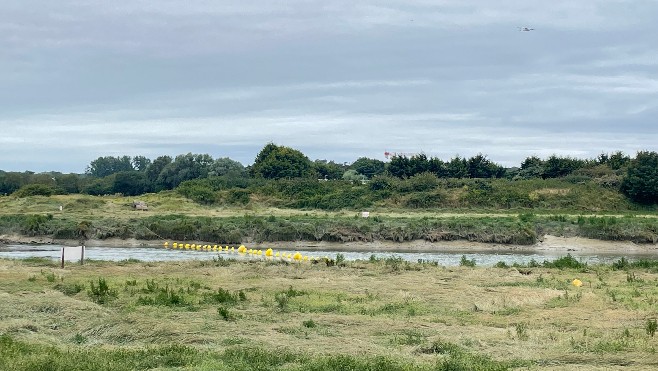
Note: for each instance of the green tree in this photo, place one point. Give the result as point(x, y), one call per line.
point(555, 167)
point(457, 168)
point(479, 166)
point(140, 163)
point(618, 160)
point(278, 162)
point(104, 166)
point(98, 186)
point(640, 183)
point(531, 167)
point(419, 164)
point(153, 171)
point(368, 166)
point(185, 167)
point(352, 175)
point(226, 166)
point(328, 169)
point(10, 182)
point(129, 183)
point(68, 183)
point(400, 166)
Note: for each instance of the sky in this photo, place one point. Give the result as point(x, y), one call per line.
point(337, 80)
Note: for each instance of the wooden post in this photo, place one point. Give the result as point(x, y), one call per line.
point(82, 255)
point(63, 257)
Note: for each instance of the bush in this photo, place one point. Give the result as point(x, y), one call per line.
point(34, 190)
point(568, 262)
point(101, 293)
point(465, 262)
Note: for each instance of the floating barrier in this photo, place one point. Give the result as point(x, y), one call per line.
point(244, 251)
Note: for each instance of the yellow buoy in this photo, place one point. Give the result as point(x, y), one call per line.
point(577, 282)
point(166, 244)
point(276, 255)
point(187, 246)
point(175, 245)
point(297, 256)
point(268, 252)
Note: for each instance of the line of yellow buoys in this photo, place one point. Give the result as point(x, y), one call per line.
point(241, 250)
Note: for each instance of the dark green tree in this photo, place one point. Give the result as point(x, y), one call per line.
point(226, 166)
point(68, 183)
point(368, 166)
point(437, 167)
point(419, 164)
point(140, 163)
point(98, 186)
point(400, 166)
point(279, 162)
point(479, 166)
point(129, 183)
point(457, 167)
point(328, 169)
point(153, 171)
point(185, 167)
point(640, 183)
point(618, 160)
point(10, 182)
point(104, 166)
point(531, 167)
point(555, 167)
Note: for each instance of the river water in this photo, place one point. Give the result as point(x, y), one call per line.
point(443, 258)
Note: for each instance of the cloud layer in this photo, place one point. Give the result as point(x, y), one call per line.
point(337, 80)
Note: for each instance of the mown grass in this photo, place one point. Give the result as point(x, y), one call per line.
point(361, 316)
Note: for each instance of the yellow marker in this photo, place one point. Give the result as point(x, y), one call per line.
point(577, 282)
point(187, 246)
point(166, 244)
point(268, 252)
point(175, 245)
point(297, 256)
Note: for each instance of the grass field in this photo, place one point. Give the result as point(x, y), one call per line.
point(374, 315)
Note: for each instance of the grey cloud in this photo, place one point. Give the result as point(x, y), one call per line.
point(339, 79)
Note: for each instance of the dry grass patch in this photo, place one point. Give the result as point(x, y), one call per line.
point(363, 308)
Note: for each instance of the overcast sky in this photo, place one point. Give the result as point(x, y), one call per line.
point(338, 79)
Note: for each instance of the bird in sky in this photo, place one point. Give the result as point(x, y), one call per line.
point(526, 29)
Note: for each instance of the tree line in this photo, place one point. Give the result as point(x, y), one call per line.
point(636, 177)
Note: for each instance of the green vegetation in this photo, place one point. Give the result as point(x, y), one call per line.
point(523, 229)
point(285, 196)
point(260, 316)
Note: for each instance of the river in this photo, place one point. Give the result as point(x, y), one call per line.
point(443, 258)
